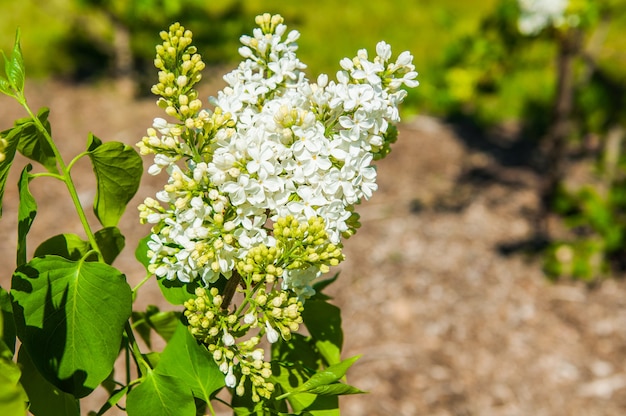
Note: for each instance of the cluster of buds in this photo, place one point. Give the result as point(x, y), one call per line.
point(262, 188)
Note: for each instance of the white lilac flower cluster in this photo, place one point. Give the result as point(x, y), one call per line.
point(275, 146)
point(537, 15)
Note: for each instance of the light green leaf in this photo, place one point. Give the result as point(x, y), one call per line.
point(184, 357)
point(323, 377)
point(323, 320)
point(160, 395)
point(14, 67)
point(7, 329)
point(45, 399)
point(72, 247)
point(118, 170)
point(335, 389)
point(33, 143)
point(26, 213)
point(12, 136)
point(141, 252)
point(5, 87)
point(70, 316)
point(68, 246)
point(288, 378)
point(13, 399)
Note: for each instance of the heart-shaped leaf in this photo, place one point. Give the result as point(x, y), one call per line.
point(184, 357)
point(118, 170)
point(70, 317)
point(160, 395)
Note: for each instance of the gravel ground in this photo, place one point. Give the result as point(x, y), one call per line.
point(446, 324)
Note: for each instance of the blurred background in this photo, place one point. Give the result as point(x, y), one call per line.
point(487, 278)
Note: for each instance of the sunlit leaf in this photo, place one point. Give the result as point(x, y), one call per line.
point(70, 316)
point(14, 66)
point(26, 213)
point(12, 137)
point(33, 143)
point(118, 170)
point(323, 320)
point(160, 395)
point(68, 246)
point(185, 358)
point(7, 329)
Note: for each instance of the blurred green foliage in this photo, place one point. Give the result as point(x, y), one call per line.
point(73, 38)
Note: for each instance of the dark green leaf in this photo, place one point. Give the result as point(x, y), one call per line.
point(45, 399)
point(72, 247)
point(25, 215)
point(68, 246)
point(70, 316)
point(164, 323)
point(118, 169)
point(160, 395)
point(111, 243)
point(323, 320)
point(175, 291)
point(12, 136)
point(185, 358)
point(7, 329)
point(33, 143)
point(321, 285)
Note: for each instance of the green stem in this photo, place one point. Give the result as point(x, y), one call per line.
point(67, 179)
point(134, 348)
point(145, 279)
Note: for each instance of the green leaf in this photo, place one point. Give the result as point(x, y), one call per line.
point(5, 87)
point(7, 329)
point(321, 285)
point(118, 170)
point(141, 252)
point(111, 243)
point(164, 323)
point(70, 316)
point(160, 395)
point(33, 143)
point(323, 320)
point(289, 378)
point(175, 291)
point(12, 395)
point(335, 389)
point(115, 397)
point(68, 246)
point(185, 358)
point(26, 213)
point(14, 67)
point(72, 247)
point(45, 399)
point(12, 136)
point(323, 377)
